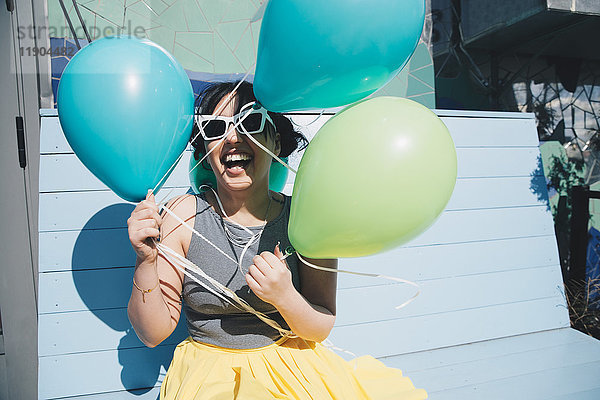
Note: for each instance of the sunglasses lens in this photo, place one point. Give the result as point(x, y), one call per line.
point(213, 129)
point(252, 122)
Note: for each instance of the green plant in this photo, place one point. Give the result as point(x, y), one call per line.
point(563, 175)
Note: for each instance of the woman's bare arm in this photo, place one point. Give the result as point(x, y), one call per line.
point(312, 315)
point(155, 314)
point(310, 312)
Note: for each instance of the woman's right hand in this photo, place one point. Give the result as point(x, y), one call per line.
point(144, 224)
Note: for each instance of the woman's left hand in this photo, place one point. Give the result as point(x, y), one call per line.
point(270, 277)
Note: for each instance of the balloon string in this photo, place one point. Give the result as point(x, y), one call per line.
point(318, 267)
point(391, 278)
point(311, 122)
point(329, 344)
point(222, 291)
point(195, 232)
point(228, 295)
point(253, 236)
point(272, 155)
point(252, 239)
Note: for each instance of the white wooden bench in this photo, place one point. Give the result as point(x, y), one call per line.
point(491, 321)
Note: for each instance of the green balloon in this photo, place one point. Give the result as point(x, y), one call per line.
point(200, 176)
point(375, 176)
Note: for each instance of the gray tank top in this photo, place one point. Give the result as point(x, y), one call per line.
point(211, 319)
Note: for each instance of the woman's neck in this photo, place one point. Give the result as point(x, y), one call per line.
point(247, 207)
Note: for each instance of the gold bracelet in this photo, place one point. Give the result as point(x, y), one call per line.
point(144, 291)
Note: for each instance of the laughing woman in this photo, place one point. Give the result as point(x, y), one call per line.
point(231, 353)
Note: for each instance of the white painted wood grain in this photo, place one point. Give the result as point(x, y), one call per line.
point(538, 365)
point(102, 329)
point(426, 332)
point(65, 173)
point(488, 268)
point(489, 131)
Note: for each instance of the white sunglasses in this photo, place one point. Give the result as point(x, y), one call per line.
point(250, 120)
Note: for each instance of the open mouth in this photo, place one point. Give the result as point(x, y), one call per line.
point(236, 162)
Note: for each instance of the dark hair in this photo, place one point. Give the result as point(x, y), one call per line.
point(207, 101)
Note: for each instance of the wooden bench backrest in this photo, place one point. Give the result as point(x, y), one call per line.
point(488, 268)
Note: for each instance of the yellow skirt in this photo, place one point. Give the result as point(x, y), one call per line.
point(289, 369)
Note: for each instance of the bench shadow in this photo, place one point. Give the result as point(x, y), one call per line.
point(102, 262)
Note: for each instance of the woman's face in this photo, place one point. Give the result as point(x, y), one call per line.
point(253, 168)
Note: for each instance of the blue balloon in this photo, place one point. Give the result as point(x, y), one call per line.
point(126, 108)
point(331, 53)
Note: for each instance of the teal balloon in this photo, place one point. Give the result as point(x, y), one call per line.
point(278, 175)
point(332, 53)
point(201, 176)
point(126, 108)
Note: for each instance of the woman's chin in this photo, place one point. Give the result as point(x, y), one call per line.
point(238, 180)
point(235, 172)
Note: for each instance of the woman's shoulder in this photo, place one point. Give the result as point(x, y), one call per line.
point(182, 205)
point(180, 208)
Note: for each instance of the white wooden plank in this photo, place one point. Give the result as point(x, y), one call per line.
point(527, 377)
point(309, 125)
point(66, 250)
point(450, 260)
point(421, 262)
point(497, 162)
point(140, 394)
point(86, 331)
point(445, 329)
point(493, 224)
point(486, 132)
point(84, 290)
point(78, 290)
point(373, 304)
point(105, 371)
point(48, 112)
point(484, 114)
point(63, 375)
point(52, 139)
point(473, 193)
point(62, 292)
point(439, 112)
point(87, 210)
point(592, 394)
point(536, 375)
point(469, 352)
point(469, 193)
point(509, 131)
point(101, 329)
point(98, 210)
point(64, 172)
